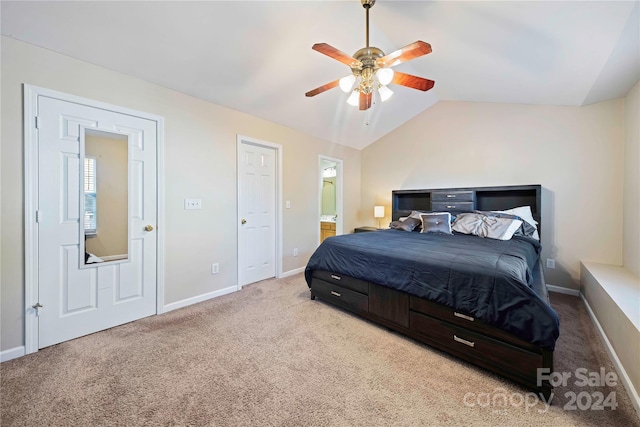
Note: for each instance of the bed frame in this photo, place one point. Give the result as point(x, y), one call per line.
point(439, 326)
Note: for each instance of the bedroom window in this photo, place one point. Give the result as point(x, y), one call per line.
point(90, 196)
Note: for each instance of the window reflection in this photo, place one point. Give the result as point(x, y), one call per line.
point(106, 209)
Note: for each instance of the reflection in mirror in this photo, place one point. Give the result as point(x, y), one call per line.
point(105, 195)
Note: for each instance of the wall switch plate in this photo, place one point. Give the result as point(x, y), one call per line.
point(551, 263)
point(193, 203)
point(215, 268)
point(295, 251)
point(287, 204)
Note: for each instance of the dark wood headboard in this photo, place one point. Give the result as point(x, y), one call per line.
point(480, 198)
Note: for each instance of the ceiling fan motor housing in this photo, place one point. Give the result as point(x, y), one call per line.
point(367, 57)
point(368, 4)
point(367, 67)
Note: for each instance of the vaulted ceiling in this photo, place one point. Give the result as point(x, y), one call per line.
point(256, 56)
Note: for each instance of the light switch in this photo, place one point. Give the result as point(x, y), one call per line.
point(193, 203)
point(287, 204)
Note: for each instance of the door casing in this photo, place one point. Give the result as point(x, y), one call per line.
point(31, 94)
point(240, 139)
point(339, 188)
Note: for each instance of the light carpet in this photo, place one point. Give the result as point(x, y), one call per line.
point(269, 356)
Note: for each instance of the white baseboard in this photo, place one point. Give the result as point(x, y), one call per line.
point(194, 300)
point(12, 353)
point(292, 272)
point(561, 290)
point(626, 381)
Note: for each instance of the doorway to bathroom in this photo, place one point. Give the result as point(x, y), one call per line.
point(330, 197)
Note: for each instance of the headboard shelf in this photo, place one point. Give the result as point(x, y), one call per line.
point(485, 198)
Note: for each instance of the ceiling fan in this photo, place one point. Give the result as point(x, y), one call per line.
point(371, 69)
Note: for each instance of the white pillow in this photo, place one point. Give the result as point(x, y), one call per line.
point(524, 212)
point(486, 226)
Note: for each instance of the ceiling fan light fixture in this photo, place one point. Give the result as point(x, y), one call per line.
point(370, 69)
point(354, 98)
point(385, 75)
point(346, 83)
point(385, 93)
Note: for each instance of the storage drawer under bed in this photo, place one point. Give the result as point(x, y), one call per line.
point(464, 320)
point(340, 295)
point(475, 345)
point(344, 281)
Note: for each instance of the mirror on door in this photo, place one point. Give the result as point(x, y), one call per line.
point(104, 198)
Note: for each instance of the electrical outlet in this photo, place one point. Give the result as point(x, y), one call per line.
point(215, 269)
point(295, 251)
point(551, 263)
point(193, 203)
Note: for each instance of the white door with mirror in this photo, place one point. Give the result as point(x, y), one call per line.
point(97, 210)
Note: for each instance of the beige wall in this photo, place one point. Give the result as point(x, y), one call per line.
point(112, 158)
point(200, 162)
point(631, 217)
point(575, 153)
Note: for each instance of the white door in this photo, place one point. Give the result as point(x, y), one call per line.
point(257, 210)
point(78, 298)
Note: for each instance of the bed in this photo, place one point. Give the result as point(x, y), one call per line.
point(482, 299)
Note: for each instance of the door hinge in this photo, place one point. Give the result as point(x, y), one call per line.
point(37, 122)
point(38, 216)
point(37, 306)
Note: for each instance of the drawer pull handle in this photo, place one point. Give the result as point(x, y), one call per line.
point(333, 276)
point(451, 195)
point(463, 316)
point(336, 293)
point(463, 341)
point(451, 206)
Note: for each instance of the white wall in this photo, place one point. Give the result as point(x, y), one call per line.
point(631, 224)
point(575, 153)
point(200, 162)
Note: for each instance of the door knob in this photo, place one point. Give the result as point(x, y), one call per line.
point(148, 228)
point(244, 221)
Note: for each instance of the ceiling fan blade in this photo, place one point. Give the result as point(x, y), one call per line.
point(323, 88)
point(404, 54)
point(365, 100)
point(336, 54)
point(411, 81)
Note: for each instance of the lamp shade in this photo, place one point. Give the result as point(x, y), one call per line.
point(385, 75)
point(346, 83)
point(385, 93)
point(354, 98)
point(378, 211)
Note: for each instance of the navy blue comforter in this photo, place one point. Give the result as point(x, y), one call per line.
point(487, 278)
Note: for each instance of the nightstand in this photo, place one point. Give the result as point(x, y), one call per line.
point(365, 229)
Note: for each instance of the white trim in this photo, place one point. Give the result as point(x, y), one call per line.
point(240, 139)
point(160, 214)
point(626, 381)
point(31, 94)
point(200, 298)
point(30, 225)
point(292, 272)
point(563, 290)
point(12, 353)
